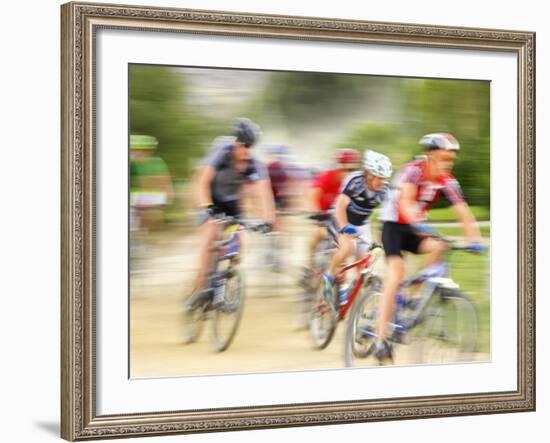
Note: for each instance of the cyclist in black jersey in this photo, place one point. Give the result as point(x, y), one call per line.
point(360, 194)
point(229, 165)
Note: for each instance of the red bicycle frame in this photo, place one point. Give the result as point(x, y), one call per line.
point(357, 284)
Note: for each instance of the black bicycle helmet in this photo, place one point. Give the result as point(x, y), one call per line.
point(246, 131)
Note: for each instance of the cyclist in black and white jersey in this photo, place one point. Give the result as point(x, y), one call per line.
point(361, 193)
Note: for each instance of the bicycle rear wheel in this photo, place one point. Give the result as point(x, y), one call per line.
point(226, 318)
point(361, 327)
point(447, 329)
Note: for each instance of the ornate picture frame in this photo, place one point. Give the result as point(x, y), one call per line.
point(80, 23)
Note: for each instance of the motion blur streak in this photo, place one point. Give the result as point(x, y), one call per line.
point(177, 113)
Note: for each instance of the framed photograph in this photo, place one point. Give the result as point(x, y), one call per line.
point(273, 221)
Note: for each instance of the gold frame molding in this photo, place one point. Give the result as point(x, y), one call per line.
point(79, 23)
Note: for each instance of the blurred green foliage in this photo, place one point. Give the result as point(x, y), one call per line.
point(405, 110)
point(388, 138)
point(471, 272)
point(298, 98)
point(462, 108)
point(459, 107)
point(448, 215)
point(158, 108)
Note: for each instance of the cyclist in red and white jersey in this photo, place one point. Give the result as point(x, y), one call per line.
point(416, 187)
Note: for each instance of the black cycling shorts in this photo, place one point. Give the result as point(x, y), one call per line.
point(229, 208)
point(280, 203)
point(398, 237)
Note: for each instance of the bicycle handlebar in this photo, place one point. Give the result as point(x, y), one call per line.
point(247, 224)
point(453, 245)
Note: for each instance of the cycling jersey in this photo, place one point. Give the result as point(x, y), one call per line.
point(226, 183)
point(427, 193)
point(329, 182)
point(279, 178)
point(145, 189)
point(362, 200)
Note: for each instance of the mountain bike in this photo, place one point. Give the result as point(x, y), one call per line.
point(311, 277)
point(224, 281)
point(439, 322)
point(327, 312)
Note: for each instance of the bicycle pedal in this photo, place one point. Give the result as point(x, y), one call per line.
point(413, 303)
point(198, 299)
point(217, 302)
point(383, 353)
point(370, 350)
point(398, 336)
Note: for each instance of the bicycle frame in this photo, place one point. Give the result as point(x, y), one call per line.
point(363, 265)
point(436, 275)
point(437, 272)
point(230, 247)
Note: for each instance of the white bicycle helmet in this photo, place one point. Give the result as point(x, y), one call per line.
point(440, 140)
point(377, 164)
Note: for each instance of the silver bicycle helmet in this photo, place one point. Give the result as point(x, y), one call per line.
point(439, 140)
point(377, 164)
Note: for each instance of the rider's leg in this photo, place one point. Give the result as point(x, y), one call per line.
point(208, 233)
point(396, 238)
point(243, 242)
point(318, 233)
point(346, 247)
point(396, 270)
point(433, 248)
point(394, 277)
point(363, 243)
point(365, 236)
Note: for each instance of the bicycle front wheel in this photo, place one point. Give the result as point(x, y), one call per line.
point(447, 330)
point(194, 317)
point(310, 282)
point(361, 328)
point(323, 318)
point(226, 318)
point(304, 298)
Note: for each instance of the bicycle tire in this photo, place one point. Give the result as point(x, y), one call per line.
point(310, 282)
point(361, 320)
point(304, 300)
point(193, 323)
point(323, 320)
point(232, 309)
point(448, 329)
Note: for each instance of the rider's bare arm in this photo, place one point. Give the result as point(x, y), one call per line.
point(263, 190)
point(465, 216)
point(206, 174)
point(342, 203)
point(407, 203)
point(314, 197)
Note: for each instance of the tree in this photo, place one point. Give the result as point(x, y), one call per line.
point(158, 108)
point(462, 108)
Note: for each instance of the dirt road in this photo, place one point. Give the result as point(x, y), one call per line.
point(267, 339)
